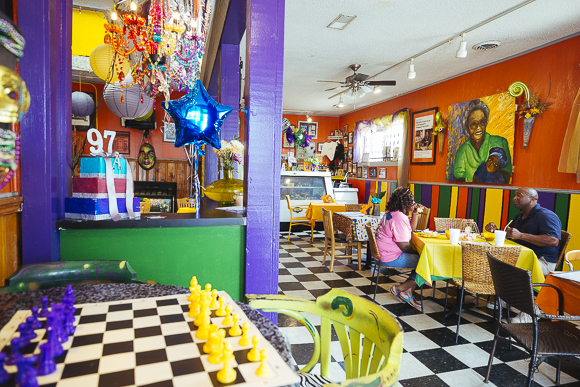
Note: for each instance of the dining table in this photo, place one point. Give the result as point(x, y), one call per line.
point(440, 260)
point(569, 284)
point(352, 224)
point(314, 210)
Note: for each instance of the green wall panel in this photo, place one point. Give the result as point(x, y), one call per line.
point(562, 207)
point(476, 192)
point(512, 212)
point(169, 256)
point(418, 195)
point(444, 201)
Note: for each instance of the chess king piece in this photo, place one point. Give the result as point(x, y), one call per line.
point(227, 374)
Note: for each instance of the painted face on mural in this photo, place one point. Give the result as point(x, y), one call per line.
point(147, 156)
point(492, 164)
point(476, 125)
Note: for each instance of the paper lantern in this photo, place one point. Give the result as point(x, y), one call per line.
point(101, 61)
point(146, 116)
point(129, 101)
point(82, 104)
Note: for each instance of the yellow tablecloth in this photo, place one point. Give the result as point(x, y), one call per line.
point(439, 259)
point(314, 211)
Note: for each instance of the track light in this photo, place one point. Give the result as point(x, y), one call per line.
point(411, 74)
point(462, 52)
point(340, 104)
point(133, 6)
point(114, 16)
point(308, 118)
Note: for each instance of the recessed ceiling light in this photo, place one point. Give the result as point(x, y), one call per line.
point(341, 22)
point(488, 45)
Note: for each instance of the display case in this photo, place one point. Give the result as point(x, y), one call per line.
point(162, 195)
point(302, 187)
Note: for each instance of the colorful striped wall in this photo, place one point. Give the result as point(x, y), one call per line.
point(484, 205)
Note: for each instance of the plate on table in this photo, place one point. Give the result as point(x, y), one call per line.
point(428, 234)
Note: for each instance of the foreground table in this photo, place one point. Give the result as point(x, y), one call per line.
point(314, 211)
point(547, 299)
point(353, 225)
point(440, 260)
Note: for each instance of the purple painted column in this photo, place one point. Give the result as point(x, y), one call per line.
point(263, 95)
point(230, 89)
point(46, 128)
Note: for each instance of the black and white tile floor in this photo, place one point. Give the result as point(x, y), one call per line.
point(431, 357)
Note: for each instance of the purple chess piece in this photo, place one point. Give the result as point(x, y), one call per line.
point(23, 341)
point(24, 376)
point(30, 378)
point(46, 364)
point(55, 346)
point(58, 322)
point(30, 334)
point(36, 324)
point(70, 293)
point(4, 375)
point(15, 354)
point(69, 316)
point(44, 312)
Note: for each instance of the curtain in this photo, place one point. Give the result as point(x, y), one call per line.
point(570, 154)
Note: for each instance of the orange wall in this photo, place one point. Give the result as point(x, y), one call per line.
point(325, 126)
point(536, 166)
point(106, 120)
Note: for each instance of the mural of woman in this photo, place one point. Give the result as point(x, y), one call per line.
point(147, 156)
point(472, 153)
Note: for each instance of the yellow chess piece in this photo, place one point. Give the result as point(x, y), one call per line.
point(245, 339)
point(254, 354)
point(263, 370)
point(211, 339)
point(193, 281)
point(221, 312)
point(208, 288)
point(214, 299)
point(228, 319)
point(194, 305)
point(203, 329)
point(203, 309)
point(235, 329)
point(227, 374)
point(215, 355)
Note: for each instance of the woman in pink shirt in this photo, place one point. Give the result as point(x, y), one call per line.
point(393, 235)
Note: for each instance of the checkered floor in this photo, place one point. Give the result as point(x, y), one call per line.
point(431, 357)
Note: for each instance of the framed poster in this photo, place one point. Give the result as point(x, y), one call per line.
point(350, 137)
point(169, 132)
point(349, 154)
point(350, 167)
point(345, 133)
point(365, 171)
point(373, 172)
point(309, 127)
point(423, 149)
point(122, 143)
point(320, 145)
point(382, 173)
point(358, 171)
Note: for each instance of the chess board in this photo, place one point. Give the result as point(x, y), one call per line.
point(144, 342)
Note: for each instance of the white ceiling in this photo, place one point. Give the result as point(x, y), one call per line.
point(386, 32)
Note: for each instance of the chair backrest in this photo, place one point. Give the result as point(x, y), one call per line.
point(328, 226)
point(372, 241)
point(423, 221)
point(475, 267)
point(46, 275)
point(353, 207)
point(183, 202)
point(289, 205)
point(564, 240)
point(370, 337)
point(145, 207)
point(512, 284)
point(443, 224)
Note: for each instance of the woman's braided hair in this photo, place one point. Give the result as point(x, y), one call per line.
point(401, 200)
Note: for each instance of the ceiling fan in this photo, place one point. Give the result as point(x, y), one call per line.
point(358, 84)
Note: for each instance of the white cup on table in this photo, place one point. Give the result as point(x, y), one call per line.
point(454, 235)
point(500, 237)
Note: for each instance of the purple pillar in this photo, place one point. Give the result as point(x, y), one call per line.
point(46, 128)
point(230, 89)
point(263, 95)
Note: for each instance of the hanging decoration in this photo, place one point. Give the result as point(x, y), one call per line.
point(82, 104)
point(101, 61)
point(126, 99)
point(533, 108)
point(147, 156)
point(14, 98)
point(9, 155)
point(439, 131)
point(290, 135)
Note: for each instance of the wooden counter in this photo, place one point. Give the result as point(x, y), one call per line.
point(10, 239)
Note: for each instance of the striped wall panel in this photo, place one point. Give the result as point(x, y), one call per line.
point(484, 205)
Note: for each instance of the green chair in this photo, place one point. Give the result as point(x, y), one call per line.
point(371, 338)
point(46, 275)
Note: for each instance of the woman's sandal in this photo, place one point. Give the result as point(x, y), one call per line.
point(403, 296)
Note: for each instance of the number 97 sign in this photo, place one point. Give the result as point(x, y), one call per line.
point(96, 140)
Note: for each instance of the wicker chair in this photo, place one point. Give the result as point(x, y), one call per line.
point(539, 338)
point(572, 257)
point(299, 220)
point(378, 263)
point(145, 207)
point(423, 221)
point(476, 277)
point(353, 207)
point(443, 224)
point(564, 240)
point(334, 241)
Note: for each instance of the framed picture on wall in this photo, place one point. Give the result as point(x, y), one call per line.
point(338, 132)
point(350, 137)
point(345, 134)
point(423, 140)
point(365, 171)
point(349, 153)
point(350, 167)
point(169, 132)
point(309, 127)
point(320, 145)
point(373, 172)
point(122, 143)
point(354, 167)
point(382, 173)
point(332, 133)
point(359, 172)
point(345, 166)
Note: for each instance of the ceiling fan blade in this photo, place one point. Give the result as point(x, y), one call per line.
point(334, 88)
point(331, 81)
point(367, 89)
point(360, 77)
point(383, 83)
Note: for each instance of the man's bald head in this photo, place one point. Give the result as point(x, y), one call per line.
point(525, 199)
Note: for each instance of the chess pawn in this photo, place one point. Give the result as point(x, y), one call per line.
point(203, 309)
point(263, 370)
point(215, 356)
point(212, 335)
point(254, 354)
point(4, 375)
point(193, 281)
point(214, 299)
point(44, 312)
point(221, 312)
point(227, 374)
point(208, 288)
point(36, 324)
point(245, 339)
point(228, 319)
point(235, 329)
point(46, 364)
point(15, 355)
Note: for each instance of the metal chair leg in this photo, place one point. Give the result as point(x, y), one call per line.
point(460, 307)
point(494, 345)
point(377, 279)
point(446, 295)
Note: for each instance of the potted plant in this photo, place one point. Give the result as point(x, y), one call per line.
point(376, 199)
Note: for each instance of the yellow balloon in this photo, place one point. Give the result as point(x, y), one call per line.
point(101, 60)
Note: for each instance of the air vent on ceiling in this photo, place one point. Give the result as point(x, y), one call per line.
point(484, 46)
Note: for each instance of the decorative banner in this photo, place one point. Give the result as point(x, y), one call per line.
point(480, 140)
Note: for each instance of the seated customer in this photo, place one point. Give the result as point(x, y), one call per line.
point(534, 227)
point(393, 235)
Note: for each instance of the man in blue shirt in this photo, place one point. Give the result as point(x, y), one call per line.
point(534, 227)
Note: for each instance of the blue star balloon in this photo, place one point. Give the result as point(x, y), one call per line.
point(198, 117)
